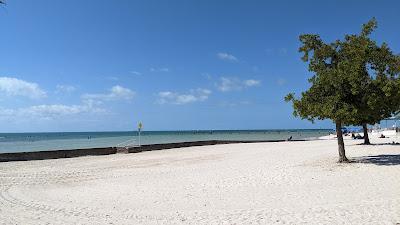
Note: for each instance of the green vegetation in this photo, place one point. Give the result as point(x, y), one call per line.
point(355, 82)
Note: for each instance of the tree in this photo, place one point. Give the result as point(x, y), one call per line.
point(387, 67)
point(379, 66)
point(338, 83)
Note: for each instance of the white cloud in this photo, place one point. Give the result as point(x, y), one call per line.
point(197, 95)
point(54, 111)
point(116, 93)
point(58, 110)
point(90, 105)
point(229, 84)
point(234, 84)
point(65, 88)
point(159, 69)
point(227, 57)
point(136, 73)
point(251, 83)
point(15, 87)
point(6, 112)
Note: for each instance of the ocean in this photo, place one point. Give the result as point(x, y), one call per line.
point(28, 142)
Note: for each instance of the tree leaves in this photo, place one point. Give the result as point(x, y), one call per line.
point(355, 80)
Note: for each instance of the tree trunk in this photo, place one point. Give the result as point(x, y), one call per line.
point(366, 138)
point(339, 134)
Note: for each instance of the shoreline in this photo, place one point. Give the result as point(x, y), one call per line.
point(66, 141)
point(167, 131)
point(72, 153)
point(80, 152)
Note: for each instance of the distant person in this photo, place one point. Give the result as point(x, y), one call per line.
point(290, 138)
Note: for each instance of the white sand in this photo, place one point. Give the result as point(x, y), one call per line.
point(260, 183)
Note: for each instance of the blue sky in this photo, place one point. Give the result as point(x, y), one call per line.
point(105, 65)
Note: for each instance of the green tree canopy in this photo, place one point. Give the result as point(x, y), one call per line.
point(342, 88)
point(379, 96)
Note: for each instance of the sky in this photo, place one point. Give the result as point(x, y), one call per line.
point(98, 65)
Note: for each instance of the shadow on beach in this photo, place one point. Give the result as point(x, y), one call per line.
point(377, 144)
point(380, 160)
point(390, 143)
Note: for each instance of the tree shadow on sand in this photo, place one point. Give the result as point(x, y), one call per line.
point(377, 144)
point(391, 143)
point(380, 160)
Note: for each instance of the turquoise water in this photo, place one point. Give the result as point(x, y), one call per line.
point(23, 142)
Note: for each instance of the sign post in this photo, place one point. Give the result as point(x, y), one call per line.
point(140, 126)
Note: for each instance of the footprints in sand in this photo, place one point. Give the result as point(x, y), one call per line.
point(198, 187)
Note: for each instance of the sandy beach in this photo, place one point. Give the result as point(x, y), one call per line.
point(257, 183)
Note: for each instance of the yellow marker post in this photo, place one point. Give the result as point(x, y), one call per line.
point(140, 126)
